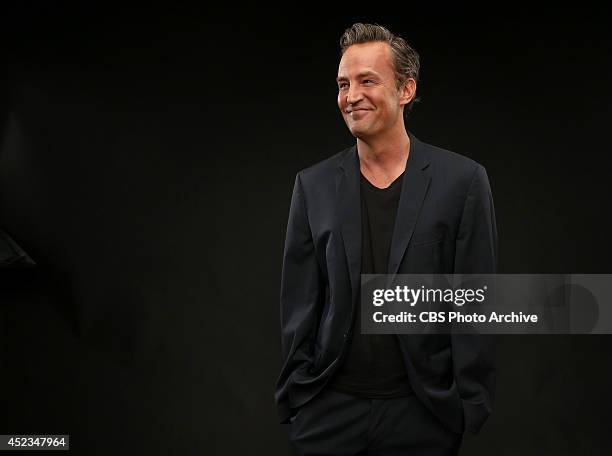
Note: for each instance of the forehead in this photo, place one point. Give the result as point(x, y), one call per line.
point(359, 58)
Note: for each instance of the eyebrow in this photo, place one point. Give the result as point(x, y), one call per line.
point(363, 73)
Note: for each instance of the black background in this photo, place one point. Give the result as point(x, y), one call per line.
point(147, 163)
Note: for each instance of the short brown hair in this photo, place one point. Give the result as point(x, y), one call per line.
point(405, 59)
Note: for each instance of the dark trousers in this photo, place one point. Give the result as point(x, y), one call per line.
point(334, 424)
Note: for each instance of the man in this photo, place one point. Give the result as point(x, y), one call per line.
point(390, 204)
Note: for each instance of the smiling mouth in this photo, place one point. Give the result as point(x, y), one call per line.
point(358, 112)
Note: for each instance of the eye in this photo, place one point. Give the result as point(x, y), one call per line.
point(342, 85)
point(368, 81)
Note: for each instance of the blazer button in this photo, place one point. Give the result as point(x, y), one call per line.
point(345, 335)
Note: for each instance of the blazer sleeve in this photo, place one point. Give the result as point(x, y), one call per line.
point(476, 253)
point(300, 297)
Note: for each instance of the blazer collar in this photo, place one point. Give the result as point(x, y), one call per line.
point(415, 184)
point(418, 156)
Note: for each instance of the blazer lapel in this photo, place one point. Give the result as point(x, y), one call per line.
point(348, 210)
point(414, 188)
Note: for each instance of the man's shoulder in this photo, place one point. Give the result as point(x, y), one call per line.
point(325, 168)
point(445, 157)
point(451, 164)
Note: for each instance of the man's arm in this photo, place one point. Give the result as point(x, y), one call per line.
point(476, 253)
point(301, 286)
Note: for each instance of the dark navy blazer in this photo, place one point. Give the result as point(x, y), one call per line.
point(445, 224)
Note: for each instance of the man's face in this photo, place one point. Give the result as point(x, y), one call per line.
point(367, 93)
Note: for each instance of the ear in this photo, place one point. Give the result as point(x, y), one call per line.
point(407, 91)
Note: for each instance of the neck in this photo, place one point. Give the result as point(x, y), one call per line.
point(384, 157)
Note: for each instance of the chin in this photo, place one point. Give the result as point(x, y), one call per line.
point(360, 133)
point(357, 133)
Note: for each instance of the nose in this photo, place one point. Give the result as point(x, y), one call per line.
point(354, 95)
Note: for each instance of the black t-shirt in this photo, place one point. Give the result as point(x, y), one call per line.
point(373, 366)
